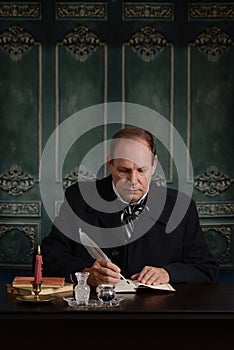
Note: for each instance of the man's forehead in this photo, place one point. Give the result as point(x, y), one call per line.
point(132, 150)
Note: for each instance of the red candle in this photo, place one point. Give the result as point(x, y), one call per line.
point(38, 267)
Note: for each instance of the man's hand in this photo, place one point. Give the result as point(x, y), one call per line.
point(103, 272)
point(152, 275)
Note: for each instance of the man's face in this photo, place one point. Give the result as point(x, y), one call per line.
point(132, 168)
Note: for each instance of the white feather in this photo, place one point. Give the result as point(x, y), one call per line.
point(94, 250)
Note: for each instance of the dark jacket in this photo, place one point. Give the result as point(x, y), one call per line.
point(183, 252)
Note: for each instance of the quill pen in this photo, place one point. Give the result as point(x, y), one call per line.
point(94, 250)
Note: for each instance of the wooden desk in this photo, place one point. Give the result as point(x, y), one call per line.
point(190, 301)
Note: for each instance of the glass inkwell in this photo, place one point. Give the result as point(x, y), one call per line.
point(106, 294)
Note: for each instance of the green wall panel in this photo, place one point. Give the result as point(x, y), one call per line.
point(167, 68)
point(19, 91)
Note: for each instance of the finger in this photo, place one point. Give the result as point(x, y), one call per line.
point(108, 264)
point(163, 277)
point(154, 279)
point(107, 269)
point(149, 277)
point(135, 277)
point(142, 274)
point(97, 277)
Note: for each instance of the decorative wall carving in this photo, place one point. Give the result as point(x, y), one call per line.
point(80, 173)
point(210, 11)
point(57, 207)
point(159, 180)
point(147, 43)
point(22, 10)
point(212, 182)
point(148, 10)
point(15, 181)
point(12, 254)
point(20, 209)
point(81, 10)
point(81, 43)
point(213, 42)
point(16, 42)
point(226, 232)
point(215, 209)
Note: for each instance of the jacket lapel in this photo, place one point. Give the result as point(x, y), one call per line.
point(109, 215)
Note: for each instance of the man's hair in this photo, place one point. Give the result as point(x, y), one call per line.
point(134, 133)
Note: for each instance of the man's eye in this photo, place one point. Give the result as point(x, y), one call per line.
point(142, 171)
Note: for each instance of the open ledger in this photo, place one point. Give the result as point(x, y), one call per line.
point(124, 285)
point(130, 286)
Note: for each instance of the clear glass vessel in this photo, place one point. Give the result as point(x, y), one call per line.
point(82, 289)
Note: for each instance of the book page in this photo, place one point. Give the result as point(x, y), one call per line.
point(163, 286)
point(122, 286)
point(130, 286)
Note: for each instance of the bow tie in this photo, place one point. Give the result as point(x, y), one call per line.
point(132, 212)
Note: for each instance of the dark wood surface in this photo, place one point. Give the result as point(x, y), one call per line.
point(190, 301)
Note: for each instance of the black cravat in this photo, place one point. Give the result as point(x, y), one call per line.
point(132, 212)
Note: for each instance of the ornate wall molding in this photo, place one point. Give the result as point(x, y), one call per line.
point(147, 43)
point(215, 209)
point(212, 182)
point(159, 180)
point(29, 10)
point(210, 11)
point(224, 231)
point(213, 43)
point(160, 11)
point(80, 173)
point(81, 43)
point(29, 230)
point(16, 42)
point(16, 181)
point(74, 10)
point(20, 209)
point(57, 207)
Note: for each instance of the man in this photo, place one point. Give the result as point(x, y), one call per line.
point(127, 214)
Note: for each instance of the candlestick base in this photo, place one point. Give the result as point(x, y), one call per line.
point(33, 299)
point(36, 288)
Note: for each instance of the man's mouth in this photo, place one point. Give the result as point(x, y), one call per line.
point(131, 190)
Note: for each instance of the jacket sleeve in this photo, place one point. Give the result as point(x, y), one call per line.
point(62, 253)
point(197, 265)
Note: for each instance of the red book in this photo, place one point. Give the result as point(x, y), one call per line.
point(26, 281)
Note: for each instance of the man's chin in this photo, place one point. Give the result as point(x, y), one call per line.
point(131, 197)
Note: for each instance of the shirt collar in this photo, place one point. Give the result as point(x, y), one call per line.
point(122, 200)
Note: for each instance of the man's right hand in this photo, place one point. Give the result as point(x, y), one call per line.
point(103, 272)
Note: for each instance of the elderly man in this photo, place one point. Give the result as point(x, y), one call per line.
point(127, 215)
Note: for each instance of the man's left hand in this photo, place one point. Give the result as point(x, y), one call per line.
point(152, 275)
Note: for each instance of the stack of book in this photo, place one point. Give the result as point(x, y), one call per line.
point(22, 285)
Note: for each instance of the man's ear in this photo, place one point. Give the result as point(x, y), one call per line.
point(109, 162)
point(155, 164)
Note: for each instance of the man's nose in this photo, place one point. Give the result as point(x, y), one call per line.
point(133, 177)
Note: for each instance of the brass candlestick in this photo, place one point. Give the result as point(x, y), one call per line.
point(36, 287)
